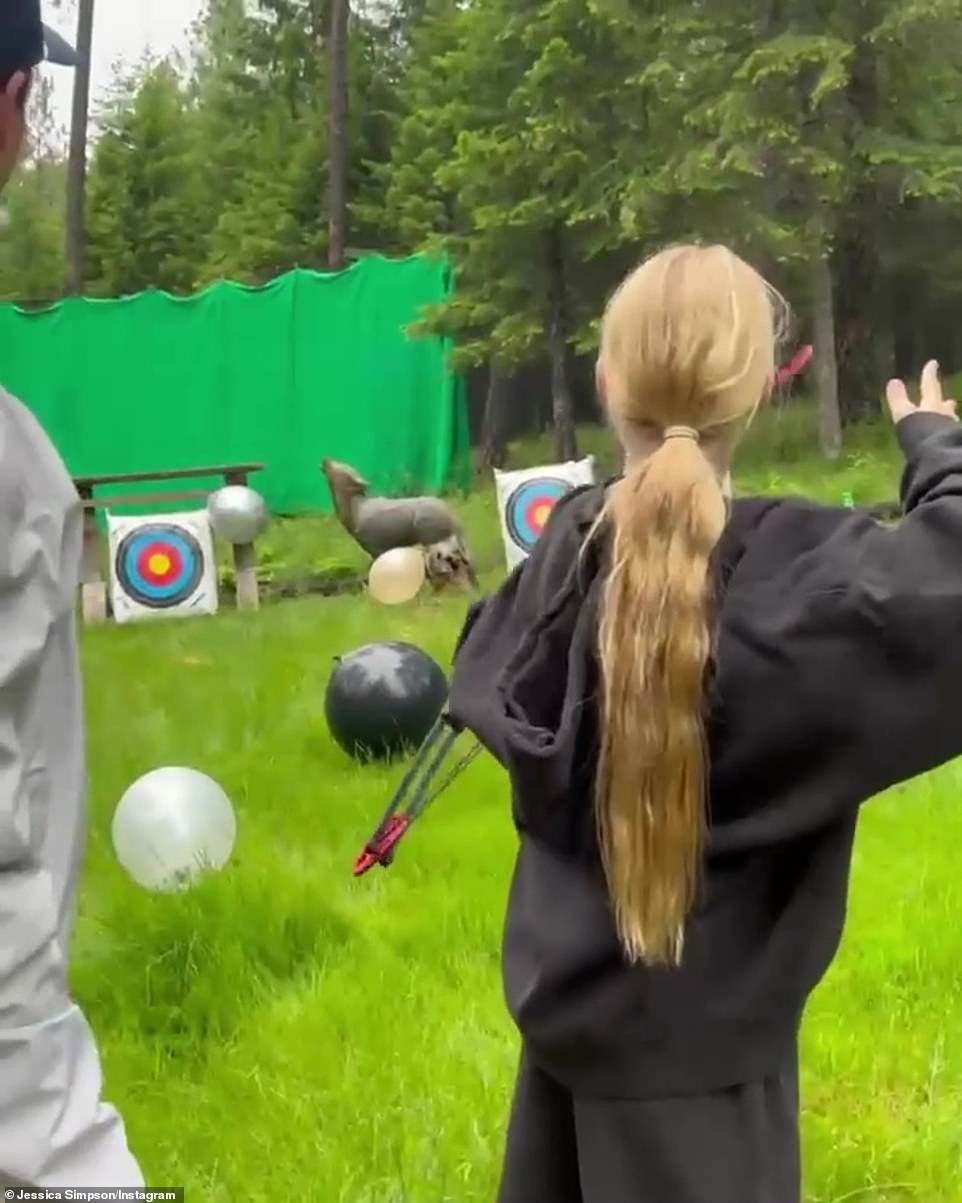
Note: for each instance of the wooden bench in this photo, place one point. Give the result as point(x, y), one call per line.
point(93, 585)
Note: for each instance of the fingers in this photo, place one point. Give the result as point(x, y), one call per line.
point(932, 400)
point(931, 387)
point(897, 395)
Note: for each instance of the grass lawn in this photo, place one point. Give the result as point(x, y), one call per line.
point(284, 1033)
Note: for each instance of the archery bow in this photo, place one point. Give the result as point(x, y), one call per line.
point(417, 782)
point(798, 363)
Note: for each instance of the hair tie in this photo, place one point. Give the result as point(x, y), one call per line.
point(681, 432)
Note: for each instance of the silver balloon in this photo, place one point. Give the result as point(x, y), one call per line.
point(238, 514)
point(172, 825)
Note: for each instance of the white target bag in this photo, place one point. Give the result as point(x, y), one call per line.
point(526, 499)
point(162, 566)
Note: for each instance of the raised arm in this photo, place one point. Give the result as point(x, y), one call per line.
point(847, 664)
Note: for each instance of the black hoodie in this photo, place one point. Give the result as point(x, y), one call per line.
point(837, 673)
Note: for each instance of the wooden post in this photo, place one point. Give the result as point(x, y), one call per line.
point(245, 570)
point(93, 587)
point(245, 561)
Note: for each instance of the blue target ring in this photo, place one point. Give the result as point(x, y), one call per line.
point(159, 566)
point(530, 506)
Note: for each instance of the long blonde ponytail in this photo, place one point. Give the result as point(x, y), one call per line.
point(687, 353)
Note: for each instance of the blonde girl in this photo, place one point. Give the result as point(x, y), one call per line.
point(692, 698)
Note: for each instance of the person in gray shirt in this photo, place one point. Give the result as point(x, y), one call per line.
point(55, 1130)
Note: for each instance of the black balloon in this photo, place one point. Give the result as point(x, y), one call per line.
point(383, 700)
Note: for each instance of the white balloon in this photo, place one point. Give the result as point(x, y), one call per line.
point(397, 576)
point(172, 825)
point(237, 514)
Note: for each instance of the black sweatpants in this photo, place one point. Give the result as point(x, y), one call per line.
point(734, 1146)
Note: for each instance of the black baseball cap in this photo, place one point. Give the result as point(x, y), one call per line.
point(25, 41)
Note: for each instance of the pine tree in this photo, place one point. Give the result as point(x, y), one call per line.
point(76, 233)
point(144, 205)
point(802, 134)
point(503, 162)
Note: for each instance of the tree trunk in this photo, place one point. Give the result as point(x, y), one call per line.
point(860, 317)
point(824, 363)
point(861, 321)
point(338, 150)
point(562, 405)
point(772, 25)
point(76, 243)
point(909, 320)
point(493, 433)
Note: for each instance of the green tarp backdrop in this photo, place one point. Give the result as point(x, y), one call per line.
point(308, 366)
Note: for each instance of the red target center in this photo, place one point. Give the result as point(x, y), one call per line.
point(537, 513)
point(159, 563)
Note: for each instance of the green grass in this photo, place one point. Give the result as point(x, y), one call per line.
point(285, 1033)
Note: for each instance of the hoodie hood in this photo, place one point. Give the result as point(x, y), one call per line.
point(525, 678)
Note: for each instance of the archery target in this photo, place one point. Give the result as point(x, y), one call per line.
point(527, 510)
point(162, 566)
point(526, 500)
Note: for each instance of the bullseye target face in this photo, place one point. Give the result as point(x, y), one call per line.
point(159, 566)
point(529, 507)
point(527, 498)
point(162, 566)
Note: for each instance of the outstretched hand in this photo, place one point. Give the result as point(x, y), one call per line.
point(932, 402)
